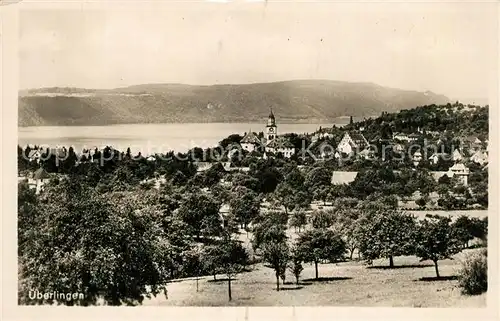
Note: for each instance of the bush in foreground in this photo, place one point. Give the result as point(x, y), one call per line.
point(473, 276)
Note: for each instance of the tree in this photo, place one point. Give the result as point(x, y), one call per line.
point(268, 231)
point(211, 257)
point(276, 254)
point(295, 179)
point(321, 193)
point(434, 240)
point(421, 202)
point(284, 194)
point(108, 248)
point(295, 264)
point(318, 177)
point(245, 205)
point(322, 219)
point(214, 174)
point(193, 264)
point(320, 244)
point(385, 234)
point(462, 230)
point(233, 260)
point(298, 219)
point(201, 214)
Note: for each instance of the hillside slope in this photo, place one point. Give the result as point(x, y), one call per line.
point(292, 101)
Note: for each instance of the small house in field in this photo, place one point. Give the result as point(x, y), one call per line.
point(39, 179)
point(461, 171)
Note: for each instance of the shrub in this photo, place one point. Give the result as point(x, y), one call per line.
point(473, 276)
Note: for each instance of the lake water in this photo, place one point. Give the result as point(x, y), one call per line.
point(147, 138)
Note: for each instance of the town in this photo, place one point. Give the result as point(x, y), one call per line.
point(380, 188)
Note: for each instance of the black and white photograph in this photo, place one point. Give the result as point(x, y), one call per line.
point(255, 154)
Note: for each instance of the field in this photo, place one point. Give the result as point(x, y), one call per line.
point(342, 284)
point(410, 284)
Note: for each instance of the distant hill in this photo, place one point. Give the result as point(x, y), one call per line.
point(304, 101)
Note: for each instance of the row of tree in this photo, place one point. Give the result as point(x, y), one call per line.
point(377, 233)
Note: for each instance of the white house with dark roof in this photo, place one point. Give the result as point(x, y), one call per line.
point(250, 142)
point(461, 171)
point(353, 142)
point(39, 179)
point(280, 145)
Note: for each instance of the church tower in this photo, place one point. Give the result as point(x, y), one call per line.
point(271, 128)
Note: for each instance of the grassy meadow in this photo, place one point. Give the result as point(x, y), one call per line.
point(353, 283)
point(410, 284)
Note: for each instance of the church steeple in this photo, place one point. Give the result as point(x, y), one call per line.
point(271, 128)
point(271, 121)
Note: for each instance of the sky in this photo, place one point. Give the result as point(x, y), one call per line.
point(447, 48)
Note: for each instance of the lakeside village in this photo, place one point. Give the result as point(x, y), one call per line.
point(123, 228)
point(417, 149)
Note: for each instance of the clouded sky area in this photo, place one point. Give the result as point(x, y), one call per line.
point(447, 48)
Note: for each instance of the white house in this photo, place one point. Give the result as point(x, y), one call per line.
point(250, 142)
point(461, 171)
point(280, 145)
point(352, 142)
point(39, 179)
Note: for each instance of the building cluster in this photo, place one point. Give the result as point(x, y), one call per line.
point(271, 143)
point(352, 144)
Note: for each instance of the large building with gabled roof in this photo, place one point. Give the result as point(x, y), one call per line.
point(250, 142)
point(353, 142)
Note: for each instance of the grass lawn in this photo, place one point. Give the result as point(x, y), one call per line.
point(342, 284)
